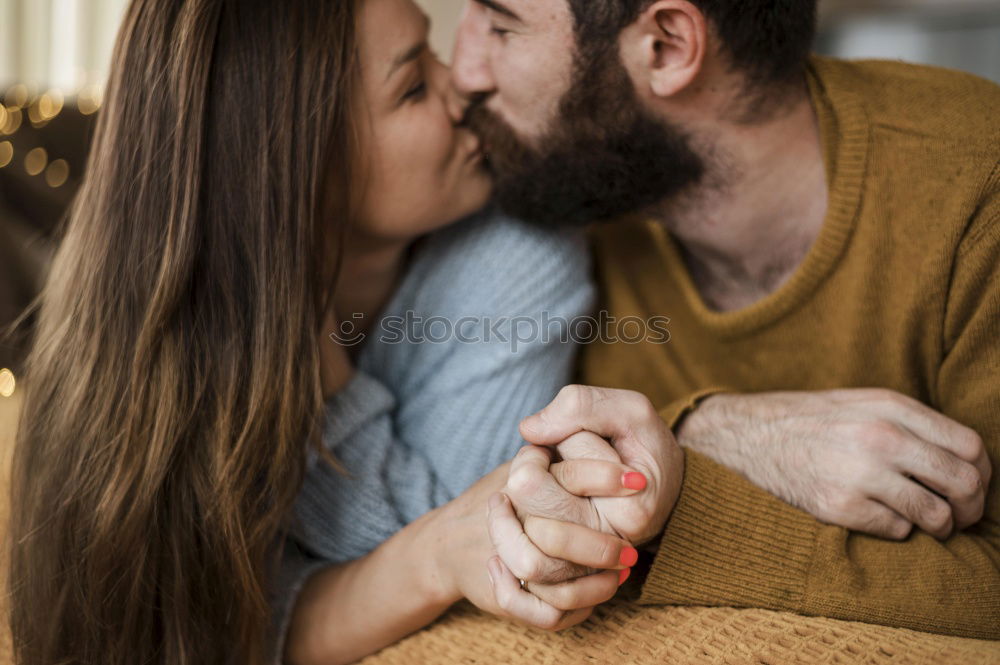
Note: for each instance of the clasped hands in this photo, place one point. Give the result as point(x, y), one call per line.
point(600, 479)
point(573, 509)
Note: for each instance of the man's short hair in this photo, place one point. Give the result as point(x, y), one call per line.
point(768, 40)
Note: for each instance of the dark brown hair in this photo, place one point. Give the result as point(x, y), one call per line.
point(174, 385)
point(768, 40)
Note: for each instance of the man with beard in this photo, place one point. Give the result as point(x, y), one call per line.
point(808, 225)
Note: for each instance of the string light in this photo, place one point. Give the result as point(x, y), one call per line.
point(17, 95)
point(13, 121)
point(6, 153)
point(57, 174)
point(8, 384)
point(35, 116)
point(50, 104)
point(35, 161)
point(89, 99)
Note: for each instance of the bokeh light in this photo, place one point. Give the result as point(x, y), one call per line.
point(13, 121)
point(8, 384)
point(35, 161)
point(57, 174)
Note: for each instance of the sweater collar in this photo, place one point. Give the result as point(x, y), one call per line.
point(845, 134)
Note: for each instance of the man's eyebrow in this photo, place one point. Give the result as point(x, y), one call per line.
point(499, 9)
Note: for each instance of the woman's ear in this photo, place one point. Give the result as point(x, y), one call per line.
point(665, 47)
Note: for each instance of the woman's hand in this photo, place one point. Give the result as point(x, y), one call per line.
point(623, 502)
point(468, 528)
point(573, 562)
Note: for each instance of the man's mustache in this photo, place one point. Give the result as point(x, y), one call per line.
point(475, 102)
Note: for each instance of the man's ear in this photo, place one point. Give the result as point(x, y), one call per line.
point(665, 47)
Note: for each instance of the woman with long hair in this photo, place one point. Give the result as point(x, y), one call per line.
point(260, 173)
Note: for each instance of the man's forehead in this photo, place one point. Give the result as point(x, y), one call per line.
point(530, 11)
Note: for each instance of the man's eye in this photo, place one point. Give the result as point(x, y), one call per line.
point(499, 32)
point(416, 93)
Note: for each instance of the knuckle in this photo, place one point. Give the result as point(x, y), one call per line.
point(938, 517)
point(885, 437)
point(636, 519)
point(968, 483)
point(885, 525)
point(890, 397)
point(568, 473)
point(899, 529)
point(606, 552)
point(522, 481)
point(563, 597)
point(845, 509)
point(526, 566)
point(534, 569)
point(837, 506)
point(639, 405)
point(550, 621)
point(575, 398)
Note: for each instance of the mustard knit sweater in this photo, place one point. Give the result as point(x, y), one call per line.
point(901, 291)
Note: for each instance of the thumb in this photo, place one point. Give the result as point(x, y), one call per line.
point(603, 411)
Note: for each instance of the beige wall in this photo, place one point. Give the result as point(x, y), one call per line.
point(444, 17)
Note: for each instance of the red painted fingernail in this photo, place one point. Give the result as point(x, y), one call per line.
point(628, 557)
point(623, 575)
point(633, 480)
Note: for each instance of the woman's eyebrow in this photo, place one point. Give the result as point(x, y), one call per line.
point(407, 56)
point(410, 54)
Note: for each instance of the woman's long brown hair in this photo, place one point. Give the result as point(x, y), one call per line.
point(173, 387)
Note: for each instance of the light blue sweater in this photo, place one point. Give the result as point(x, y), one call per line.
point(476, 337)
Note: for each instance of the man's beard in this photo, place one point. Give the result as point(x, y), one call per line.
point(605, 157)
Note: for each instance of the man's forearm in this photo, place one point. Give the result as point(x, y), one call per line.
point(711, 427)
point(729, 543)
point(731, 429)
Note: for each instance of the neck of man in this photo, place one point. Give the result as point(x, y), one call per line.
point(749, 225)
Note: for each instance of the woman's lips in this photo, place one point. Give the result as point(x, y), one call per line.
point(475, 149)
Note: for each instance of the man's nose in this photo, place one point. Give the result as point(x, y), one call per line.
point(456, 102)
point(470, 72)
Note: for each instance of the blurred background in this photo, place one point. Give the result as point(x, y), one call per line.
point(54, 56)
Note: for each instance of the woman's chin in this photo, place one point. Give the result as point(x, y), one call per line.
point(474, 196)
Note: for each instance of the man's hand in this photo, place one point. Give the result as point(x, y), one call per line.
point(577, 421)
point(869, 460)
point(633, 489)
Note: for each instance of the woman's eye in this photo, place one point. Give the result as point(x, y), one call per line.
point(416, 92)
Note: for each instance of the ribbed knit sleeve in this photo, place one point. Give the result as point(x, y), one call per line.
point(428, 414)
